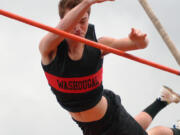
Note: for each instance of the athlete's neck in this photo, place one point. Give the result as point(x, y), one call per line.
point(75, 51)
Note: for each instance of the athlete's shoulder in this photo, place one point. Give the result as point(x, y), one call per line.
point(91, 34)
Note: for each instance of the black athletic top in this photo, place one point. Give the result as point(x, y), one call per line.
point(76, 84)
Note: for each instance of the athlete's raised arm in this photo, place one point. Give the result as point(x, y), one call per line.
point(69, 20)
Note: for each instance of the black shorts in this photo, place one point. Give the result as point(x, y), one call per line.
point(116, 121)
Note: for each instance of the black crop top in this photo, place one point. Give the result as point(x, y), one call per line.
point(76, 84)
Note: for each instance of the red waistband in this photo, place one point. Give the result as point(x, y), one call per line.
point(75, 84)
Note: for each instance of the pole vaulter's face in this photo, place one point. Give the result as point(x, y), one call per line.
point(81, 28)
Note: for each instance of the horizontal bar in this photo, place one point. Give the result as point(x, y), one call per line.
point(88, 42)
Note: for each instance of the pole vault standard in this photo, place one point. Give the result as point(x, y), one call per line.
point(88, 42)
point(161, 30)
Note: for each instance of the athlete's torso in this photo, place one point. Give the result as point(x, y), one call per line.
point(76, 84)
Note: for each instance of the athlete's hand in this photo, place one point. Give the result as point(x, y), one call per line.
point(139, 38)
point(98, 1)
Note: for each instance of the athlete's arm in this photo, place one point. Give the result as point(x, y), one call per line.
point(135, 40)
point(50, 42)
point(48, 45)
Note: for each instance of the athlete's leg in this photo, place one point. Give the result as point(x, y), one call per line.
point(160, 130)
point(144, 119)
point(167, 96)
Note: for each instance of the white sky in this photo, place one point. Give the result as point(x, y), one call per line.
point(27, 105)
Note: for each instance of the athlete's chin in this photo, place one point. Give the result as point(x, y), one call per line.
point(80, 35)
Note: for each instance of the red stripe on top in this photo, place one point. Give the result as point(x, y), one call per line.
point(75, 84)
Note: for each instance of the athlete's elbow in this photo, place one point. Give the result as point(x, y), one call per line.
point(41, 46)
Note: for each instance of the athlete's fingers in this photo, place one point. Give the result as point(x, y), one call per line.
point(100, 1)
point(135, 33)
point(131, 33)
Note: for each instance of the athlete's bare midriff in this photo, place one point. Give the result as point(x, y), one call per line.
point(92, 114)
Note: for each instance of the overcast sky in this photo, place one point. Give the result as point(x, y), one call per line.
point(27, 106)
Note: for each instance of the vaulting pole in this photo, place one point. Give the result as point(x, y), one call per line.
point(88, 42)
point(161, 30)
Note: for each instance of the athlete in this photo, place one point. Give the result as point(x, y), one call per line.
point(74, 73)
